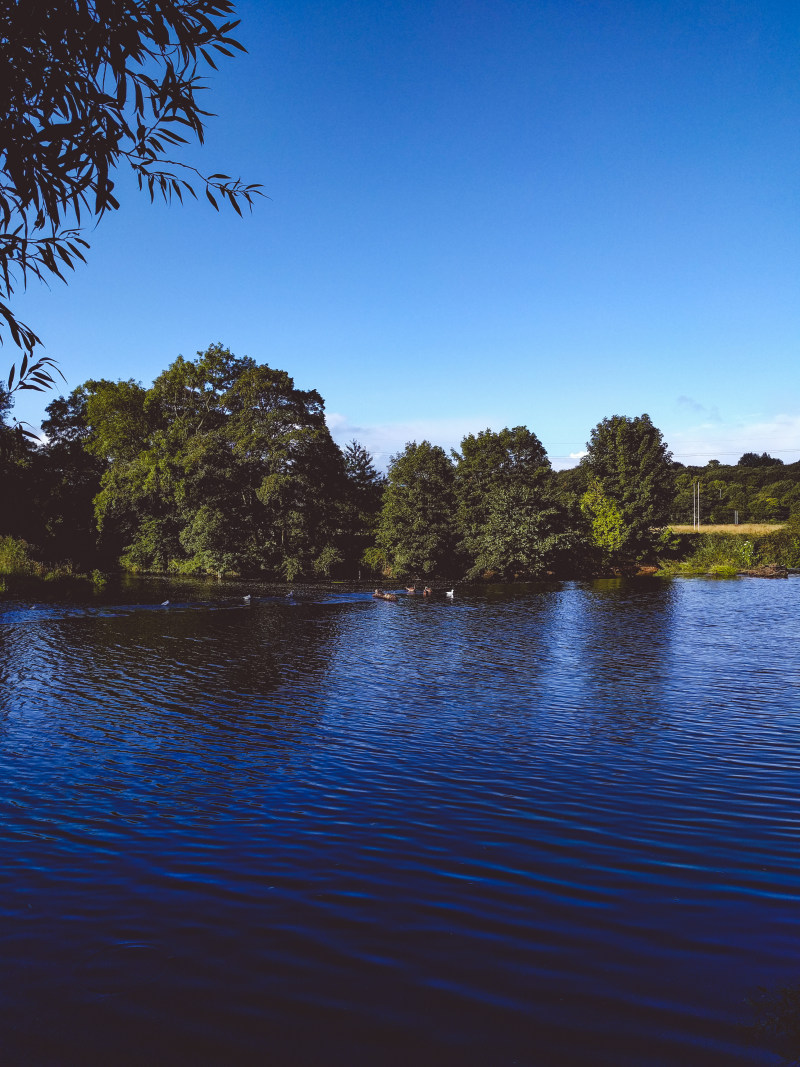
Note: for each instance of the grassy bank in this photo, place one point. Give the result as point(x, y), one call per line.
point(720, 552)
point(715, 551)
point(748, 529)
point(17, 562)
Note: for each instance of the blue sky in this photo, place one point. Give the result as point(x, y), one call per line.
point(480, 215)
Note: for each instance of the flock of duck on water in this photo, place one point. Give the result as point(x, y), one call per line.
point(412, 591)
point(377, 595)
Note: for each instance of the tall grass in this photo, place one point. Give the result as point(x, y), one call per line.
point(16, 560)
point(749, 529)
point(720, 554)
point(783, 546)
point(727, 553)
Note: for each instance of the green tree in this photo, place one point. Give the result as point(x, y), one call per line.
point(752, 459)
point(293, 468)
point(90, 87)
point(417, 529)
point(16, 460)
point(364, 483)
point(631, 488)
point(507, 514)
point(119, 437)
point(523, 537)
point(607, 524)
point(116, 418)
point(222, 465)
point(68, 479)
point(570, 485)
point(361, 505)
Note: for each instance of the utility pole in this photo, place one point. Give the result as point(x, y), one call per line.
point(696, 504)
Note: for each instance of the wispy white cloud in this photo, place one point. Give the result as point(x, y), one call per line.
point(708, 414)
point(709, 439)
point(688, 402)
point(726, 441)
point(565, 462)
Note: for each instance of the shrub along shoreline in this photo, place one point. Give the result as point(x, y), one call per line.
point(717, 554)
point(727, 554)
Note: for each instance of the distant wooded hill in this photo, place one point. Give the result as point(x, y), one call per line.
point(760, 488)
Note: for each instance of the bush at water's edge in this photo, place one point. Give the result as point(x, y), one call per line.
point(17, 562)
point(720, 554)
point(729, 553)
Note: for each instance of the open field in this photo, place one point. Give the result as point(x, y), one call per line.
point(755, 528)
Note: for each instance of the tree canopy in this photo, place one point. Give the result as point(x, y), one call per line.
point(751, 492)
point(506, 509)
point(361, 504)
point(222, 465)
point(752, 459)
point(417, 530)
point(631, 486)
point(66, 481)
point(88, 87)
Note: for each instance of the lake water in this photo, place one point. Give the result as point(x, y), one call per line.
point(550, 825)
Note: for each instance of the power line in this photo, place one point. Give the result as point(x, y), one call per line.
point(376, 452)
point(738, 452)
point(697, 455)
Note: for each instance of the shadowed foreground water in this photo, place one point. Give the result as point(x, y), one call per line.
point(549, 826)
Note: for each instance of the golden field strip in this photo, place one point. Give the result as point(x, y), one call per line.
point(754, 528)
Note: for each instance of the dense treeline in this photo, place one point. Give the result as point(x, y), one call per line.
point(756, 489)
point(223, 466)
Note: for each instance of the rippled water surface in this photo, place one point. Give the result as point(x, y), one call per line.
point(546, 826)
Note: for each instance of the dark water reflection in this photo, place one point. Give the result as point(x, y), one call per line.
point(551, 826)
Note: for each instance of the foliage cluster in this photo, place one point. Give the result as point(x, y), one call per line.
point(89, 87)
point(783, 546)
point(511, 522)
point(730, 553)
point(497, 509)
point(16, 560)
point(489, 511)
point(116, 452)
point(224, 466)
point(718, 553)
point(763, 491)
point(14, 556)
